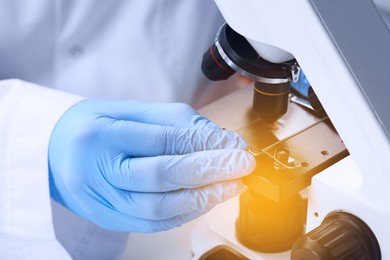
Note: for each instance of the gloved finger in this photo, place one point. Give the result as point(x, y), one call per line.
point(160, 206)
point(167, 173)
point(141, 140)
point(169, 114)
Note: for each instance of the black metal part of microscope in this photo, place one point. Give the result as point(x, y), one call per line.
point(340, 236)
point(232, 53)
point(272, 214)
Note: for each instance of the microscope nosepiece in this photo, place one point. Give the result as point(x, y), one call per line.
point(231, 53)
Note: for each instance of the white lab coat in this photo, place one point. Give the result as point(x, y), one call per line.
point(147, 50)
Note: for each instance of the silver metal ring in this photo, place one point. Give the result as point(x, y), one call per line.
point(245, 73)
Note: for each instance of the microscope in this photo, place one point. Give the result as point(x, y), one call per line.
point(320, 188)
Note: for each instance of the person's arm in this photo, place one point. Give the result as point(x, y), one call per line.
point(28, 114)
point(124, 165)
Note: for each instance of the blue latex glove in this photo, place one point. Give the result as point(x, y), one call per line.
point(131, 166)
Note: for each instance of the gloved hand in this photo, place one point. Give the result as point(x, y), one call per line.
point(132, 166)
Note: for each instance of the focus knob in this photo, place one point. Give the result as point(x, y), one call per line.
point(340, 236)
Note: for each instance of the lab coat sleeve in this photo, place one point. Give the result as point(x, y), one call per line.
point(28, 114)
